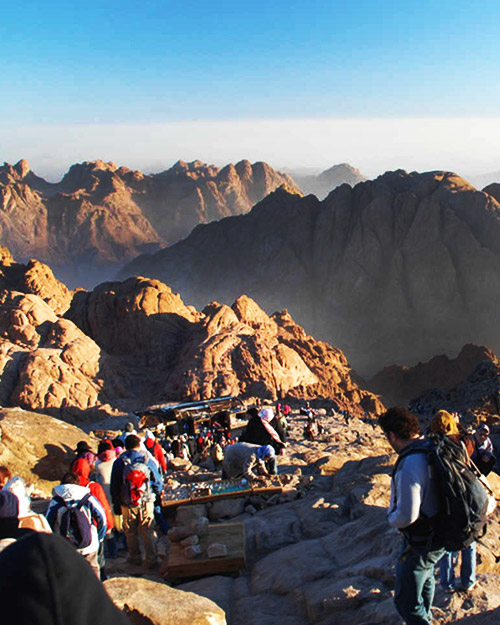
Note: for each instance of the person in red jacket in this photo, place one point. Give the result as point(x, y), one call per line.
point(81, 468)
point(154, 448)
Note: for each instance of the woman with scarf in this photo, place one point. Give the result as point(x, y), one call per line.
point(264, 429)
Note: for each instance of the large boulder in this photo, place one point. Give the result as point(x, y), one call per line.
point(37, 447)
point(154, 603)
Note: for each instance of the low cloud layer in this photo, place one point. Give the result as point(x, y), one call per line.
point(467, 146)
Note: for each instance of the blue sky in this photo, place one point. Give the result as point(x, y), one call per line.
point(98, 65)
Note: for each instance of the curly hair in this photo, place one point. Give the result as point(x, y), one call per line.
point(400, 421)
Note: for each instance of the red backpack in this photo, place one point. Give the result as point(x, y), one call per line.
point(135, 485)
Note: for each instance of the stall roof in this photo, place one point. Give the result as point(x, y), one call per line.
point(191, 408)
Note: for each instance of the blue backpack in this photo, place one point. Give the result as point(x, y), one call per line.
point(73, 523)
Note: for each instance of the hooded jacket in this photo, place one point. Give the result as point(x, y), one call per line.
point(72, 495)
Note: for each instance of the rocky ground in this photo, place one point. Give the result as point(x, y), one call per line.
point(328, 556)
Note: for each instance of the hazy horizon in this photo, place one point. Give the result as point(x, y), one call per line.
point(465, 146)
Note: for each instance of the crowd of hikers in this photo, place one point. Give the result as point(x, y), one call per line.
point(440, 500)
point(109, 498)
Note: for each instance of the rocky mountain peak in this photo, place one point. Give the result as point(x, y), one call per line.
point(22, 167)
point(248, 311)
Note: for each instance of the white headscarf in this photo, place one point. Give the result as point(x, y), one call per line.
point(266, 414)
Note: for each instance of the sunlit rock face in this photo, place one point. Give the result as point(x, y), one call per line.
point(86, 356)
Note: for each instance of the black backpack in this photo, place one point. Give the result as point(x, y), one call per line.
point(461, 518)
point(73, 523)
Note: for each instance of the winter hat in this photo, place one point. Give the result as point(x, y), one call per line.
point(9, 505)
point(82, 447)
point(444, 423)
point(266, 414)
point(265, 452)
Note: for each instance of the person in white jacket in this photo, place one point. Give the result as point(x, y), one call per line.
point(70, 495)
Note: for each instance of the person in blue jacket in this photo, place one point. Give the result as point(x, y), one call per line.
point(135, 485)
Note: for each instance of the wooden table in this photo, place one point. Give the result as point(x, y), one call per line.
point(230, 534)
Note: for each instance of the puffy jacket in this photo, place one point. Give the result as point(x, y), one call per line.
point(72, 495)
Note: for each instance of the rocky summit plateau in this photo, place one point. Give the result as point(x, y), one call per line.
point(100, 215)
point(394, 270)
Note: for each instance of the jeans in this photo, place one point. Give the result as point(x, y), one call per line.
point(414, 588)
point(467, 567)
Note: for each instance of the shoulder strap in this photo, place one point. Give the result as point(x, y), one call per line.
point(422, 448)
point(83, 500)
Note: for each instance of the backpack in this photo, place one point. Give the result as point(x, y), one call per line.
point(73, 523)
point(461, 518)
point(135, 483)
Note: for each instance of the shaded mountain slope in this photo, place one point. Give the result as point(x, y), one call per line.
point(393, 270)
point(398, 384)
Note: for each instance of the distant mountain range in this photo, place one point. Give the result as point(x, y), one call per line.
point(100, 215)
point(393, 270)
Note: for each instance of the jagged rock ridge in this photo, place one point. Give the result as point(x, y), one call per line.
point(393, 270)
point(100, 214)
point(127, 345)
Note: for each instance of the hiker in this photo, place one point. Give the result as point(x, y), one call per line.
point(5, 475)
point(82, 468)
point(414, 500)
point(27, 518)
point(75, 514)
point(43, 581)
point(245, 460)
point(129, 429)
point(83, 451)
point(135, 483)
point(9, 520)
point(264, 429)
point(483, 456)
point(106, 456)
point(445, 423)
point(155, 450)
